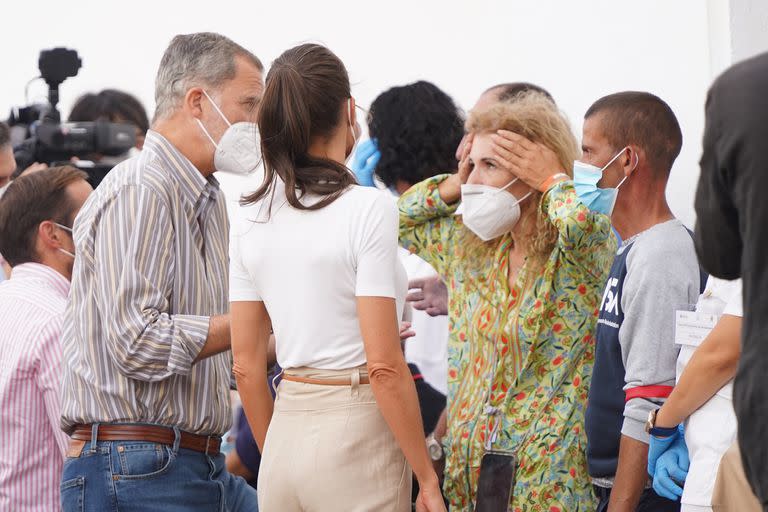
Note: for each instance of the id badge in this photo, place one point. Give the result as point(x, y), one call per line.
point(691, 327)
point(496, 482)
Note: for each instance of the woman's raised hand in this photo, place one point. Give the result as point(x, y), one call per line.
point(532, 162)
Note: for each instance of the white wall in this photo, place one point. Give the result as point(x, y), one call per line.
point(578, 50)
point(749, 28)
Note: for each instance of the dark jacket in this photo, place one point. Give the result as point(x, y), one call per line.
point(732, 236)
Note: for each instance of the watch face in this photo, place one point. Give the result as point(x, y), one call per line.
point(435, 450)
point(651, 421)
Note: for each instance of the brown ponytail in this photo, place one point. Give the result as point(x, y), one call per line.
point(304, 89)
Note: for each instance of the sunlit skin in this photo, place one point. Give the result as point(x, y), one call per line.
point(597, 151)
point(485, 168)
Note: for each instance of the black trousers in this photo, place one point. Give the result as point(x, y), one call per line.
point(649, 501)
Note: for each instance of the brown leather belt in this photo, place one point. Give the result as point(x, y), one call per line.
point(325, 382)
point(150, 434)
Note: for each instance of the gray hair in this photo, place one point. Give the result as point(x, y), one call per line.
point(204, 59)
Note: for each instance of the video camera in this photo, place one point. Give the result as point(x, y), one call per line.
point(48, 140)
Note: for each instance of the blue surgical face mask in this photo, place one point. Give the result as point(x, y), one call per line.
point(585, 178)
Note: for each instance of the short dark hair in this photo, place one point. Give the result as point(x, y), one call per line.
point(633, 117)
point(30, 200)
point(509, 91)
point(5, 134)
point(110, 105)
point(417, 128)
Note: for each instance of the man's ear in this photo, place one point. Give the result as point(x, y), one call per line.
point(631, 160)
point(193, 101)
point(49, 234)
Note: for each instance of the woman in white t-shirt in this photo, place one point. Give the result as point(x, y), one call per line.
point(314, 256)
point(703, 395)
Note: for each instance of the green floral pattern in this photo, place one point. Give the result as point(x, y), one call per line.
point(533, 345)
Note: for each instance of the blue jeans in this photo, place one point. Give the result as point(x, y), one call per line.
point(137, 476)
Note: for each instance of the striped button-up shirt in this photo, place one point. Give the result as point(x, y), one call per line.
point(32, 445)
point(151, 269)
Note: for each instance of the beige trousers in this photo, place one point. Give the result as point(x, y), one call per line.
point(328, 449)
point(732, 491)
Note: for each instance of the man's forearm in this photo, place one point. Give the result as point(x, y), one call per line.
point(441, 428)
point(219, 339)
point(631, 475)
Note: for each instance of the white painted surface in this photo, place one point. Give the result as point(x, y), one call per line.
point(578, 50)
point(749, 28)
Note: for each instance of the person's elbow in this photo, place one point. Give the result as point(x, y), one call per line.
point(248, 372)
point(384, 374)
point(152, 353)
point(132, 366)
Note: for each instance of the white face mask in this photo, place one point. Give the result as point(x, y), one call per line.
point(489, 212)
point(239, 150)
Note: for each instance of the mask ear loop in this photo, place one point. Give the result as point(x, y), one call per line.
point(217, 108)
point(509, 185)
point(351, 124)
point(502, 189)
point(200, 123)
point(637, 161)
point(617, 155)
point(505, 187)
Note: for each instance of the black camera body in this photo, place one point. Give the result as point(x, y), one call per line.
point(48, 140)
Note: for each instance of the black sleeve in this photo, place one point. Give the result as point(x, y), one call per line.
point(717, 237)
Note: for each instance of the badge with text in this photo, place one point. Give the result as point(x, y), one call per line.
point(691, 327)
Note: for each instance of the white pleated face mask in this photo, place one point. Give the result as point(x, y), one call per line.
point(489, 212)
point(239, 150)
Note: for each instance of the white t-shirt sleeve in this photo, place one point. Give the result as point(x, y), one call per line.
point(241, 286)
point(735, 307)
point(376, 255)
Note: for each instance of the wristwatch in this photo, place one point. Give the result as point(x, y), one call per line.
point(434, 448)
point(652, 429)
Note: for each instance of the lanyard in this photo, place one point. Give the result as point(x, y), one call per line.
point(491, 433)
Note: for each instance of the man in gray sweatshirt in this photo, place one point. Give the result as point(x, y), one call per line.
point(634, 138)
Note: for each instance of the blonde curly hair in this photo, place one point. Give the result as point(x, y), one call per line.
point(536, 117)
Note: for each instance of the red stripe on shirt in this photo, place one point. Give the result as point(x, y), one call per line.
point(648, 392)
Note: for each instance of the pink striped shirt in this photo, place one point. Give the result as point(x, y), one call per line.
point(32, 445)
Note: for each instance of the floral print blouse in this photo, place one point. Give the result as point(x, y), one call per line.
point(520, 359)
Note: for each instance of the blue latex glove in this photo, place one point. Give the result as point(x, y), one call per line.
point(659, 445)
point(364, 162)
point(671, 471)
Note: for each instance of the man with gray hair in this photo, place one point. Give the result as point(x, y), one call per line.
point(146, 337)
